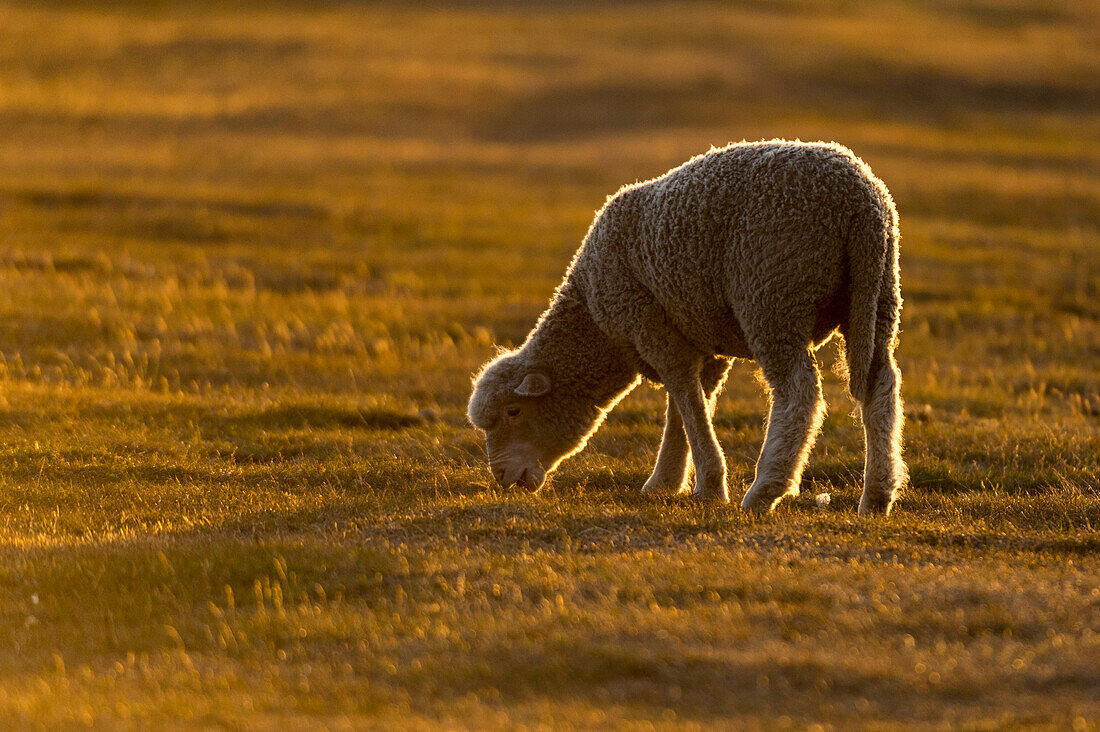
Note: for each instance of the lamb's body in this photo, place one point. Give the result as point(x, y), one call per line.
point(756, 250)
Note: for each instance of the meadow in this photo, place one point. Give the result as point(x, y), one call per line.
point(251, 254)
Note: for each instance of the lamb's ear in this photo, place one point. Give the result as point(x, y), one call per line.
point(535, 384)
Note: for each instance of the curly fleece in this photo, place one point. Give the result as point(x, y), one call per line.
point(757, 250)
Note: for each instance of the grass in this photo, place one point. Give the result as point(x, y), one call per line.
point(251, 256)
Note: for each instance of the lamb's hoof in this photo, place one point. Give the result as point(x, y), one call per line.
point(711, 495)
point(875, 504)
point(660, 487)
point(763, 498)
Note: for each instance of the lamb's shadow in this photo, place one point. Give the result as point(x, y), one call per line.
point(654, 673)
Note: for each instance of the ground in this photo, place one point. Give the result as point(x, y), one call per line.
point(250, 256)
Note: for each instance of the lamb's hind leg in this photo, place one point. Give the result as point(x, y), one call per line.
point(884, 472)
point(797, 410)
point(670, 473)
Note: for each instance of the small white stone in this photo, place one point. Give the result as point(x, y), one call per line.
point(821, 500)
point(34, 599)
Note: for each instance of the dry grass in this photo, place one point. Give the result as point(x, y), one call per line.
point(252, 255)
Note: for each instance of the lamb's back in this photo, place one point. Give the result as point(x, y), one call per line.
point(736, 230)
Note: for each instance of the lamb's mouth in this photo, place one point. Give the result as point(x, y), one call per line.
point(530, 478)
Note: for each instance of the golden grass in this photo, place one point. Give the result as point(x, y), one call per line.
point(251, 256)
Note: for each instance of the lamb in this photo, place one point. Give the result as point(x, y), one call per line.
point(758, 250)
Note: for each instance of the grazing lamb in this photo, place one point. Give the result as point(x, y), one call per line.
point(758, 250)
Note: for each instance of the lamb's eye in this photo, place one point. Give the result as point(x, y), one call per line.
point(512, 411)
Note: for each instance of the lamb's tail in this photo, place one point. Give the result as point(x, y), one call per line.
point(874, 295)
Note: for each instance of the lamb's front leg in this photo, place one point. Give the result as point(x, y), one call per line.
point(710, 464)
point(670, 472)
point(680, 367)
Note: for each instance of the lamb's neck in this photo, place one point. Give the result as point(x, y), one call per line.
point(574, 351)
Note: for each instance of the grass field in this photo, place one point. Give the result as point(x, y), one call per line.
point(250, 256)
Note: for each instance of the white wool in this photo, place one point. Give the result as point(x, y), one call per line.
point(756, 250)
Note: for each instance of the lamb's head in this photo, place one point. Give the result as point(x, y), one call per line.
point(531, 424)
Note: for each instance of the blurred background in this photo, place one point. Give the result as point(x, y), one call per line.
point(437, 166)
point(359, 199)
point(251, 253)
